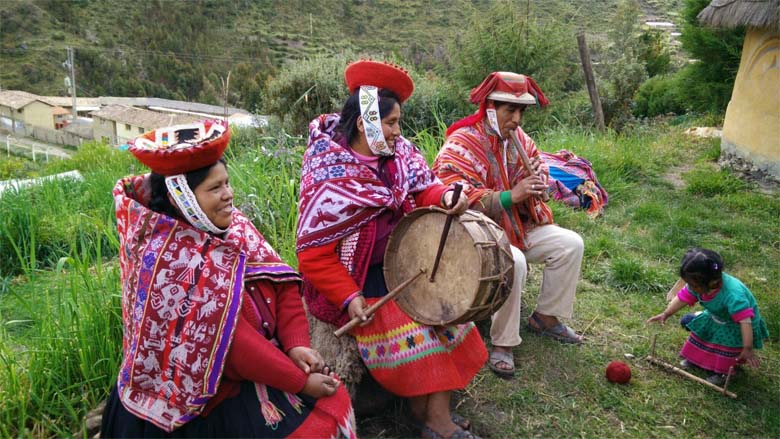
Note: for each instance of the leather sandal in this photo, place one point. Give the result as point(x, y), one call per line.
point(560, 332)
point(497, 357)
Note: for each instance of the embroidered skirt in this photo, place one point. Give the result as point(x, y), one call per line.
point(410, 359)
point(241, 416)
point(709, 356)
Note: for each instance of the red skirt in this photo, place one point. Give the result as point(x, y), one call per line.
point(411, 359)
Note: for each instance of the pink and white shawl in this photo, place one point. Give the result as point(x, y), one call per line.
point(181, 297)
point(339, 195)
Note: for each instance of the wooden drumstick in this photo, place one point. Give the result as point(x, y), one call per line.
point(372, 309)
point(651, 358)
point(446, 231)
point(526, 161)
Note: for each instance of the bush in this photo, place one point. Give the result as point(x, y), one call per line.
point(305, 89)
point(659, 95)
point(504, 39)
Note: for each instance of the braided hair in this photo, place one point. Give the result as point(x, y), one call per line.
point(702, 266)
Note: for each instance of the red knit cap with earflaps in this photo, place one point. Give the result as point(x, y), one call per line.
point(380, 75)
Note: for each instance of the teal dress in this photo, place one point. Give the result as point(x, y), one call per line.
point(716, 339)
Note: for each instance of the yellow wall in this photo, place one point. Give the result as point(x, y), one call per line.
point(752, 126)
point(38, 114)
point(123, 134)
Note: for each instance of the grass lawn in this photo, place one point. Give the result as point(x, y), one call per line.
point(60, 336)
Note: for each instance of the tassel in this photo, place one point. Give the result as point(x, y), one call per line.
point(270, 412)
point(295, 401)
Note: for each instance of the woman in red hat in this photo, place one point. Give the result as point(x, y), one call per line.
point(359, 178)
point(215, 340)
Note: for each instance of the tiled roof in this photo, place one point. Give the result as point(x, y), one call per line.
point(17, 99)
point(146, 119)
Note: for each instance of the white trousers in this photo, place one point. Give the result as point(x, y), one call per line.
point(560, 250)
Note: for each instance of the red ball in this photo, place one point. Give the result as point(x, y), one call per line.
point(618, 372)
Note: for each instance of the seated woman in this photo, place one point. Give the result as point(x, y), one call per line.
point(359, 178)
point(216, 340)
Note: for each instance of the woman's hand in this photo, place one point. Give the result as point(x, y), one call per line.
point(357, 308)
point(461, 206)
point(319, 385)
point(748, 356)
point(528, 187)
point(307, 359)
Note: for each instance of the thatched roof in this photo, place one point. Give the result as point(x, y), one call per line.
point(733, 13)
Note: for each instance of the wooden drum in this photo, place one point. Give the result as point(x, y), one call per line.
point(475, 272)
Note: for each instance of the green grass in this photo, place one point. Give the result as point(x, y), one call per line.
point(60, 325)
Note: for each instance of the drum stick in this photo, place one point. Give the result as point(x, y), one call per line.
point(526, 161)
point(651, 358)
point(372, 309)
point(445, 232)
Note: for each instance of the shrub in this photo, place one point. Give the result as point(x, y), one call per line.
point(502, 38)
point(659, 95)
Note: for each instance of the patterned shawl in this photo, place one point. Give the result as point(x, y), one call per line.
point(574, 183)
point(181, 296)
point(474, 157)
point(339, 195)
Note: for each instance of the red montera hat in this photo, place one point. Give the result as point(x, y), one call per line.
point(508, 87)
point(380, 75)
point(182, 148)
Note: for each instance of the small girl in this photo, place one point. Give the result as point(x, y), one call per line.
point(730, 326)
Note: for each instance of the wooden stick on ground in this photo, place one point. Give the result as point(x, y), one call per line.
point(372, 309)
point(651, 358)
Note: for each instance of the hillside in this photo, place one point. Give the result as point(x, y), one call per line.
point(179, 50)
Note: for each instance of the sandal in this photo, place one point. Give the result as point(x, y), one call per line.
point(460, 421)
point(560, 332)
point(497, 357)
point(459, 433)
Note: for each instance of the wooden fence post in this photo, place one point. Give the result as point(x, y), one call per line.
point(595, 101)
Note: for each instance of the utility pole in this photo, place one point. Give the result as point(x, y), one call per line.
point(70, 65)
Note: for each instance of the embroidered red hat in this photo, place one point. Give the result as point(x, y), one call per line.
point(380, 75)
point(508, 87)
point(181, 148)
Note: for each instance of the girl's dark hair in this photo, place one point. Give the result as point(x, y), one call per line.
point(701, 266)
point(347, 126)
point(159, 201)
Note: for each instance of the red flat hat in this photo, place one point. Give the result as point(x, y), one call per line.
point(181, 148)
point(380, 75)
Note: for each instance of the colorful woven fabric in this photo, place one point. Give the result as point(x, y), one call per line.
point(473, 156)
point(339, 194)
point(574, 183)
point(181, 296)
point(410, 359)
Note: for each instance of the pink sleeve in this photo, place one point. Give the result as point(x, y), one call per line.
point(686, 296)
point(744, 314)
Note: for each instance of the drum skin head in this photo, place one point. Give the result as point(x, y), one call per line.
point(474, 275)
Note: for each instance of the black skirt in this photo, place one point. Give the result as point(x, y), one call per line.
point(239, 416)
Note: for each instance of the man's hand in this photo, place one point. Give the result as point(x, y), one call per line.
point(528, 187)
point(461, 206)
point(307, 359)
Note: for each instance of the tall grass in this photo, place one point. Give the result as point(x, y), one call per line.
point(60, 323)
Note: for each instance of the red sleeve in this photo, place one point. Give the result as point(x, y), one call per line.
point(321, 266)
point(686, 296)
point(292, 328)
point(252, 357)
point(431, 196)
